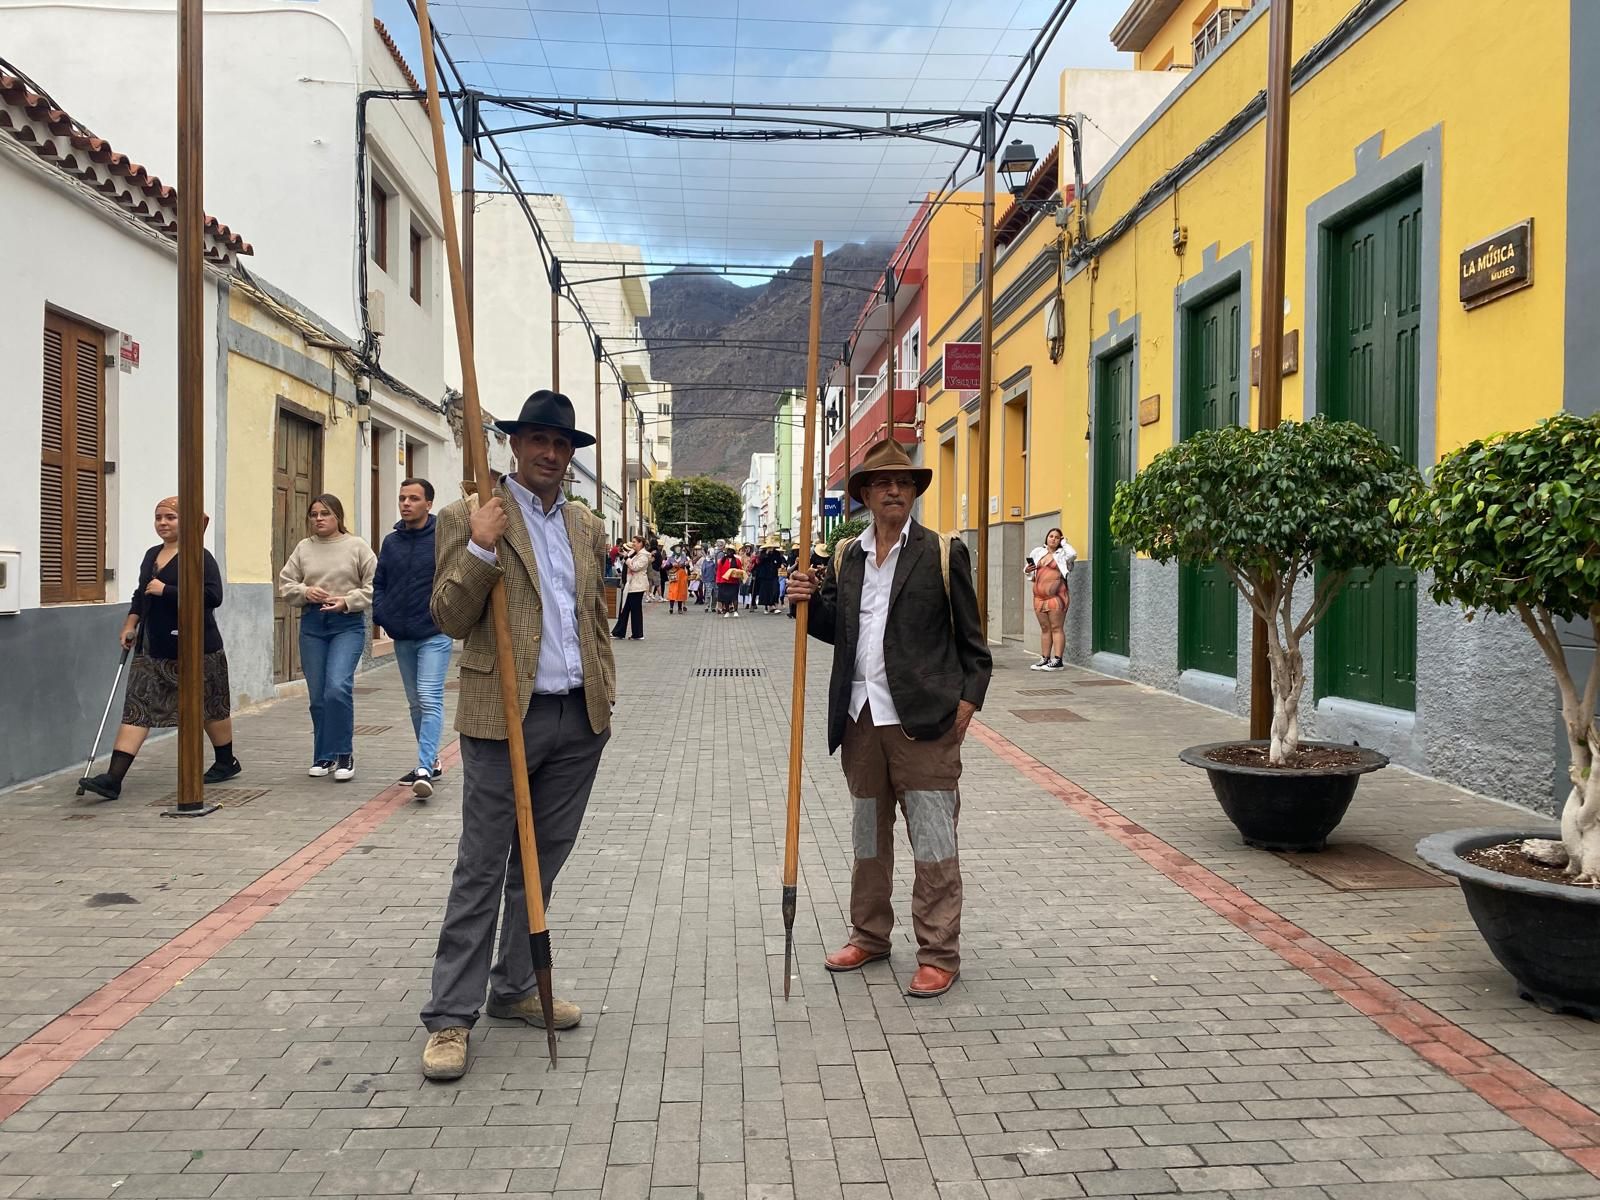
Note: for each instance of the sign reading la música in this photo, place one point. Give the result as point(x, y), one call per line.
point(1498, 265)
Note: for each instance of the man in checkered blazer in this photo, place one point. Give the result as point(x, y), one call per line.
point(551, 557)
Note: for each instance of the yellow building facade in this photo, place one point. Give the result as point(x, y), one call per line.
point(1111, 345)
point(292, 433)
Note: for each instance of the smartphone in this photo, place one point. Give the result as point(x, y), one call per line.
point(1031, 563)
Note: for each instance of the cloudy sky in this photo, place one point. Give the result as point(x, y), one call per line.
point(749, 202)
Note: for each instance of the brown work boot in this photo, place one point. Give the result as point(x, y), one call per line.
point(566, 1013)
point(851, 958)
point(931, 981)
point(445, 1055)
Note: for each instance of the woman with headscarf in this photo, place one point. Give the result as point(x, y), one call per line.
point(151, 629)
point(330, 575)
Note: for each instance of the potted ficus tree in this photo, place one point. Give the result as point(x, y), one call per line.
point(1288, 514)
point(1511, 524)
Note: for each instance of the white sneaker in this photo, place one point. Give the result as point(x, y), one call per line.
point(320, 768)
point(1055, 664)
point(422, 784)
point(1041, 665)
point(344, 769)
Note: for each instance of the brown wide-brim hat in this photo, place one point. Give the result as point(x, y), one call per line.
point(553, 411)
point(886, 456)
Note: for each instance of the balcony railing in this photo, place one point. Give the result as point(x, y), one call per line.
point(870, 387)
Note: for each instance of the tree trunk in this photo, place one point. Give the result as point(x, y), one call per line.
point(1288, 680)
point(1580, 815)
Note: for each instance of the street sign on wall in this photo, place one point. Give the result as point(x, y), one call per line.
point(963, 365)
point(832, 506)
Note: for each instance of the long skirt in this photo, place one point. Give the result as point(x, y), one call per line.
point(152, 699)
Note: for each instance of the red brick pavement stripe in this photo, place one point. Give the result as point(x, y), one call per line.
point(1534, 1103)
point(38, 1062)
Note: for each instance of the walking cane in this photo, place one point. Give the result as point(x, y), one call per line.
point(94, 750)
point(477, 465)
point(797, 696)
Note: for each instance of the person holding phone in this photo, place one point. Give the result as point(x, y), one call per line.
point(1047, 569)
point(329, 574)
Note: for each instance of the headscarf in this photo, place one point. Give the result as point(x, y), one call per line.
point(170, 503)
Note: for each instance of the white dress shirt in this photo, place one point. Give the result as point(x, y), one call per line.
point(871, 681)
point(560, 668)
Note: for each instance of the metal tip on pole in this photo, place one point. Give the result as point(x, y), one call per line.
point(191, 810)
point(790, 891)
point(550, 1042)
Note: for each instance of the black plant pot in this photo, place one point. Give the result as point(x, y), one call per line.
point(1546, 934)
point(1284, 808)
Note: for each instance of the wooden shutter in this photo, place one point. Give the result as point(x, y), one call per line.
point(72, 463)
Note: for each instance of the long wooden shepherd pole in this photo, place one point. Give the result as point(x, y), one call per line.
point(191, 417)
point(797, 696)
point(477, 466)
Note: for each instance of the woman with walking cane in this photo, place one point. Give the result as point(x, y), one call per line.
point(151, 628)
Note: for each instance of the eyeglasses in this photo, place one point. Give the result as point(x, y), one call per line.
point(887, 481)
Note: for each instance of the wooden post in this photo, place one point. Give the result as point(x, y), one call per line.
point(797, 692)
point(599, 442)
point(640, 424)
point(986, 369)
point(849, 409)
point(555, 324)
point(469, 198)
point(1280, 63)
point(191, 416)
point(622, 453)
point(476, 446)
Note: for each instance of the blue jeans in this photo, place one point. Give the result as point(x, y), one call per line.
point(423, 663)
point(330, 648)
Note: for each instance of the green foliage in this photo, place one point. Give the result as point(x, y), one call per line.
point(579, 500)
point(1270, 504)
point(854, 527)
point(714, 508)
point(1513, 520)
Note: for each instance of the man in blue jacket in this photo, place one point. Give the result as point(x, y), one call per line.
point(401, 592)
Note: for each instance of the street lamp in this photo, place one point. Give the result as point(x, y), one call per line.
point(1016, 164)
point(686, 490)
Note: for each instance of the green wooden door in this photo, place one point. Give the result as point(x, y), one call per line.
point(1208, 626)
point(1367, 644)
point(1113, 463)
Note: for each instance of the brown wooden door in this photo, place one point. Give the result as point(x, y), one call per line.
point(296, 477)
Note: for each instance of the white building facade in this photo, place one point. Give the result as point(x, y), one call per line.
point(88, 340)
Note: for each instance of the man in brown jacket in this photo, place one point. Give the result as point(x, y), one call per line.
point(910, 667)
point(550, 555)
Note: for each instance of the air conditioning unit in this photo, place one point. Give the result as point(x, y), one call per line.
point(377, 312)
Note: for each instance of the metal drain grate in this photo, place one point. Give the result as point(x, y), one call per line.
point(366, 729)
point(364, 690)
point(1044, 691)
point(227, 797)
point(1102, 683)
point(1044, 715)
point(1354, 867)
point(79, 817)
point(729, 672)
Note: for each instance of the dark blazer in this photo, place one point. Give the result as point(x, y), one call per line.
point(402, 587)
point(158, 615)
point(933, 662)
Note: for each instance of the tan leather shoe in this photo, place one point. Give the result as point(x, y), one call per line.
point(851, 958)
point(445, 1055)
point(931, 981)
point(566, 1013)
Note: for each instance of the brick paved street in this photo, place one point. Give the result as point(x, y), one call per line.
point(1135, 1017)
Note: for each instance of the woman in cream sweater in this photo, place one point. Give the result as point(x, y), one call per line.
point(330, 576)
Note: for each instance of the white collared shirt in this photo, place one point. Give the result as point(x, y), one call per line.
point(560, 666)
point(871, 681)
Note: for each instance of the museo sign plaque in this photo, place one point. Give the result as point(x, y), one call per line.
point(1498, 265)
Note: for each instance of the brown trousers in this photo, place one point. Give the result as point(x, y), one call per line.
point(884, 770)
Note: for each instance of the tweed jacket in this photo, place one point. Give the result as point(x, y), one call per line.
point(934, 650)
point(460, 605)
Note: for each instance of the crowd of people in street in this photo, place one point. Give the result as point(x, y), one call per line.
point(897, 603)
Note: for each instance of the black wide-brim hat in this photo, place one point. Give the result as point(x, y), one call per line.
point(552, 410)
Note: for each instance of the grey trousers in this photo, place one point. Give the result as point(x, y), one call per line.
point(563, 756)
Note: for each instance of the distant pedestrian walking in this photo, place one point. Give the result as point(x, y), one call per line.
point(678, 583)
point(1047, 570)
point(151, 701)
point(729, 575)
point(635, 585)
point(330, 574)
point(401, 591)
point(708, 581)
point(767, 565)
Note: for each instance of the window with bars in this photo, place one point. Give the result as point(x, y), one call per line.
point(1216, 28)
point(380, 226)
point(72, 480)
